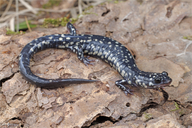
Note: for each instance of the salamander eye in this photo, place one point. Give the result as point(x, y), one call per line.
point(165, 73)
point(158, 80)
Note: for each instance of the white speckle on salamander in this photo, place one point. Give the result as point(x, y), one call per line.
point(150, 84)
point(39, 45)
point(61, 46)
point(50, 37)
point(32, 50)
point(123, 73)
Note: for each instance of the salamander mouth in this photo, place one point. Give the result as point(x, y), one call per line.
point(164, 85)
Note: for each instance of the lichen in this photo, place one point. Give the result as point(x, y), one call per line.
point(176, 107)
point(187, 37)
point(147, 116)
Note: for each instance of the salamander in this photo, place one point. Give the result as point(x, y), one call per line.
point(107, 49)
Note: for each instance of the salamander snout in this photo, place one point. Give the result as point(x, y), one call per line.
point(162, 80)
point(166, 79)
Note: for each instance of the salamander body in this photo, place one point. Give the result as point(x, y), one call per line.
point(107, 49)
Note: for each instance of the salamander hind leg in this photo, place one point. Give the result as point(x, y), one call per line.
point(81, 57)
point(87, 61)
point(84, 59)
point(120, 85)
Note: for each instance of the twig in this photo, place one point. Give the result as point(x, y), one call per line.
point(37, 9)
point(50, 10)
point(17, 15)
point(184, 52)
point(12, 24)
point(3, 24)
point(7, 8)
point(80, 7)
point(28, 6)
point(73, 13)
point(27, 24)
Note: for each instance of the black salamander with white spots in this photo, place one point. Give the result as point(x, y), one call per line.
point(109, 50)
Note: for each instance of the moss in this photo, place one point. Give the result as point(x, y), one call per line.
point(88, 13)
point(88, 8)
point(179, 110)
point(51, 3)
point(51, 22)
point(10, 32)
point(115, 1)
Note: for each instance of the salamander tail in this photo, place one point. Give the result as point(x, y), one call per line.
point(57, 83)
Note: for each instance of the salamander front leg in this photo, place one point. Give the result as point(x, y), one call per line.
point(71, 29)
point(120, 85)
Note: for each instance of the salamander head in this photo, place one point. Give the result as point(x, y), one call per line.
point(152, 80)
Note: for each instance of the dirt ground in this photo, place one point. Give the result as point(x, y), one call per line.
point(159, 35)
